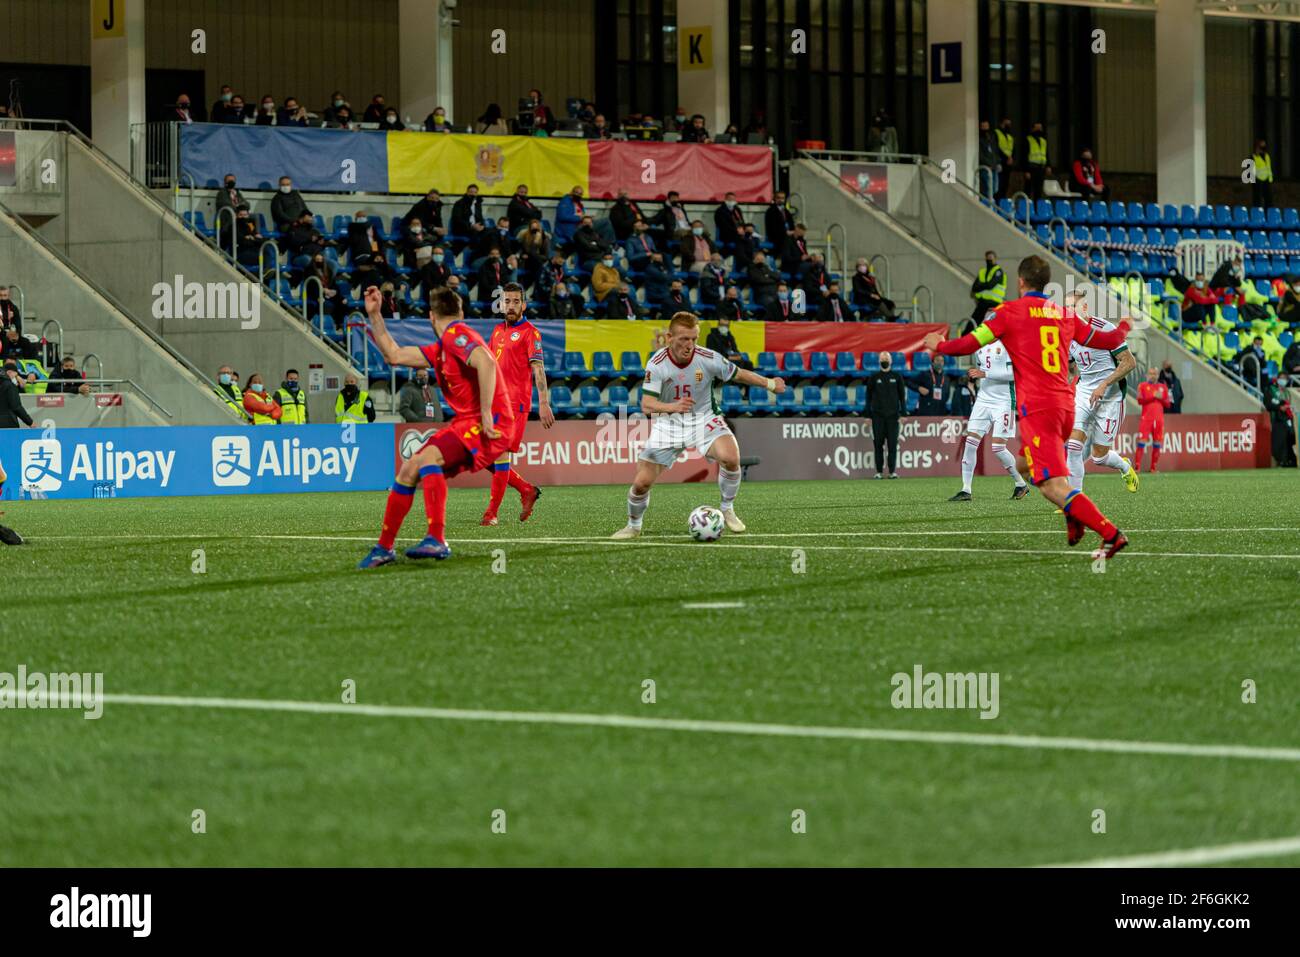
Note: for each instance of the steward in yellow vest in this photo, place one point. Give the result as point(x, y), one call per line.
point(292, 399)
point(353, 404)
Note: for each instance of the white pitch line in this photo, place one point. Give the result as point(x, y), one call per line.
point(754, 729)
point(713, 604)
point(1197, 855)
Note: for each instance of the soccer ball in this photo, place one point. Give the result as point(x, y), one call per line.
point(705, 524)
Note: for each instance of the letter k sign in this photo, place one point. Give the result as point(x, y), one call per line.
point(696, 51)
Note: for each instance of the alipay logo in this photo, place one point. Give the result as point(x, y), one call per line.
point(42, 465)
point(232, 460)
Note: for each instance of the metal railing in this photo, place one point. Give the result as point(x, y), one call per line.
point(888, 285)
point(57, 325)
point(155, 154)
point(99, 386)
point(261, 268)
point(22, 298)
point(844, 245)
point(929, 312)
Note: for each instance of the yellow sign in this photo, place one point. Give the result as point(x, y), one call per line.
point(107, 19)
point(696, 51)
point(497, 164)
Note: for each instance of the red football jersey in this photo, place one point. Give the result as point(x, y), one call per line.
point(1037, 335)
point(449, 358)
point(1153, 397)
point(515, 348)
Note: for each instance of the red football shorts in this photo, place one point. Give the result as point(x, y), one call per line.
point(1043, 435)
point(464, 448)
point(516, 431)
point(1152, 428)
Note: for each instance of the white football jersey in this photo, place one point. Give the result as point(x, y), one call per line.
point(998, 382)
point(669, 382)
point(1096, 365)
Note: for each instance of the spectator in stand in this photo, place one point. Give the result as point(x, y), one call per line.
point(542, 117)
point(731, 308)
point(930, 386)
point(1175, 387)
point(1291, 361)
point(763, 281)
point(1227, 281)
point(261, 408)
point(795, 256)
point(467, 214)
point(815, 282)
point(1261, 190)
point(605, 278)
point(747, 247)
point(418, 400)
point(429, 212)
point(639, 246)
point(990, 158)
point(756, 130)
point(521, 209)
point(11, 404)
point(467, 307)
point(180, 112)
point(391, 121)
point(436, 272)
point(676, 301)
point(287, 206)
point(562, 304)
point(321, 270)
point(16, 346)
point(657, 279)
point(622, 305)
point(721, 340)
point(867, 296)
point(248, 238)
point(494, 273)
point(535, 245)
point(1087, 177)
point(587, 244)
point(417, 247)
point(697, 248)
point(1198, 303)
point(497, 235)
point(713, 281)
point(552, 274)
point(375, 110)
point(833, 308)
point(238, 111)
point(341, 119)
point(338, 103)
point(303, 240)
point(1006, 142)
point(267, 115)
point(1251, 360)
point(228, 195)
point(9, 312)
point(780, 309)
point(671, 221)
point(292, 113)
point(228, 390)
point(1036, 165)
point(597, 129)
point(436, 122)
point(623, 216)
point(728, 220)
point(221, 107)
point(778, 221)
point(492, 122)
point(695, 133)
point(568, 216)
point(353, 403)
point(370, 267)
point(66, 379)
point(1288, 306)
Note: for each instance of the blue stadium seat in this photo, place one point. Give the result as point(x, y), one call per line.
point(870, 363)
point(811, 400)
point(1137, 215)
point(1285, 340)
point(1274, 218)
point(787, 403)
point(553, 362)
point(913, 400)
point(1117, 264)
point(1042, 211)
point(339, 231)
point(733, 400)
point(1154, 215)
point(575, 366)
point(767, 365)
point(1186, 216)
point(845, 364)
point(1290, 218)
point(395, 264)
point(1062, 209)
point(760, 400)
point(630, 364)
point(589, 399)
point(1223, 216)
point(602, 364)
point(561, 400)
point(792, 364)
point(837, 399)
point(1240, 217)
point(1205, 216)
point(819, 365)
point(1232, 341)
point(920, 361)
point(1004, 208)
point(1118, 234)
point(1257, 218)
point(1100, 234)
point(1081, 212)
point(1277, 239)
point(899, 361)
point(618, 397)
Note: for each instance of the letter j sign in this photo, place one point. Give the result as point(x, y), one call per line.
point(945, 62)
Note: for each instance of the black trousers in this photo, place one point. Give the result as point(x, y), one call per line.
point(1037, 173)
point(1261, 194)
point(884, 428)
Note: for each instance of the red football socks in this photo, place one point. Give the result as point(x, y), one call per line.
point(1079, 507)
point(435, 500)
point(400, 498)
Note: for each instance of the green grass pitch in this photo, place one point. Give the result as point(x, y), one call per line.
point(1155, 649)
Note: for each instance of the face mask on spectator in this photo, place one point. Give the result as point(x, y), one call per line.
point(230, 184)
point(864, 269)
point(783, 296)
point(224, 378)
point(226, 97)
point(286, 189)
point(257, 387)
point(337, 104)
point(362, 219)
point(1200, 284)
point(417, 230)
point(698, 230)
point(291, 385)
point(438, 258)
point(608, 262)
point(350, 393)
point(267, 105)
point(392, 117)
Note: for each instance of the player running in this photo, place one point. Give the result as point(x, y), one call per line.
point(678, 394)
point(517, 348)
point(1036, 333)
point(476, 437)
point(1098, 401)
point(995, 408)
point(1153, 397)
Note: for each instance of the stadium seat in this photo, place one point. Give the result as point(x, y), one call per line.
point(787, 403)
point(811, 400)
point(630, 365)
point(602, 365)
point(1154, 215)
point(845, 365)
point(618, 398)
point(838, 400)
point(819, 365)
point(1042, 212)
point(760, 400)
point(899, 361)
point(792, 364)
point(1257, 218)
point(575, 366)
point(767, 364)
point(733, 400)
point(562, 401)
point(1137, 215)
point(870, 362)
point(1240, 217)
point(920, 361)
point(1274, 217)
point(589, 399)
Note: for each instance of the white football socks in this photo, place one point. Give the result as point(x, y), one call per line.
point(1074, 458)
point(969, 454)
point(728, 486)
point(1112, 460)
point(1008, 462)
point(636, 506)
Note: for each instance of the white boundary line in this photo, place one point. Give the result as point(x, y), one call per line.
point(1197, 855)
point(1032, 742)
